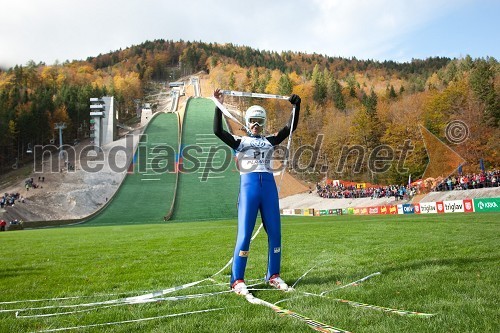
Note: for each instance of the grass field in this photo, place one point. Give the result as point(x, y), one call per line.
point(446, 265)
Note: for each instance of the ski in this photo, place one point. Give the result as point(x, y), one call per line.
point(314, 324)
point(252, 95)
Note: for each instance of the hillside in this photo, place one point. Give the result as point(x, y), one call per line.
point(352, 102)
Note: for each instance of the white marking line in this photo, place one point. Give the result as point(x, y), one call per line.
point(210, 177)
point(214, 162)
point(153, 179)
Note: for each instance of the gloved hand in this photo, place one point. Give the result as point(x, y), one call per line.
point(219, 95)
point(294, 99)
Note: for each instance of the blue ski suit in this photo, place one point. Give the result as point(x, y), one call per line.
point(258, 191)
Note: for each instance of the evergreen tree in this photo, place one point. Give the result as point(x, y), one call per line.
point(232, 81)
point(337, 97)
point(319, 84)
point(481, 81)
point(285, 85)
point(392, 93)
point(351, 83)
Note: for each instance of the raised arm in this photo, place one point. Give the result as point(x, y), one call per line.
point(219, 131)
point(285, 131)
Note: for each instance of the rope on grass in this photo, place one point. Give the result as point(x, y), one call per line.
point(307, 272)
point(131, 321)
point(143, 301)
point(344, 286)
point(352, 283)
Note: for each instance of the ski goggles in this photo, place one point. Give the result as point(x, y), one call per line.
point(256, 121)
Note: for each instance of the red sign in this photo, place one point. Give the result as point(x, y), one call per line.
point(417, 208)
point(440, 207)
point(468, 206)
point(393, 209)
point(374, 210)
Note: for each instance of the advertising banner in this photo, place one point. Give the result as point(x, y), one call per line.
point(335, 211)
point(487, 205)
point(468, 206)
point(454, 206)
point(287, 212)
point(408, 209)
point(440, 207)
point(427, 208)
point(451, 206)
point(416, 207)
point(309, 212)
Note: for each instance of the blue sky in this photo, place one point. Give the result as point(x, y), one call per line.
point(397, 30)
point(471, 29)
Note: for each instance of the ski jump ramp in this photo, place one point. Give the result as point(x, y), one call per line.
point(180, 172)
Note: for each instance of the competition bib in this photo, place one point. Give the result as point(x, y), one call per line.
point(254, 154)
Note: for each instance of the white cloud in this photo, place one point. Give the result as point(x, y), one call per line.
point(60, 29)
point(370, 29)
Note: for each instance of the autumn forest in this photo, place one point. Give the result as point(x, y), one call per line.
point(351, 102)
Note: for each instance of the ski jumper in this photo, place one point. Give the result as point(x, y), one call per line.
point(258, 192)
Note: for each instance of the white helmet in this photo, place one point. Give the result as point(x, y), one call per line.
point(255, 114)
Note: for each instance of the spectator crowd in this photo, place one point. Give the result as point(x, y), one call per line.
point(3, 224)
point(29, 183)
point(470, 181)
point(455, 182)
point(9, 199)
point(342, 191)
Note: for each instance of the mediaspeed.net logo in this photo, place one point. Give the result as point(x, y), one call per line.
point(217, 158)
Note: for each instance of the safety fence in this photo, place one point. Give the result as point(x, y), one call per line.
point(440, 207)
